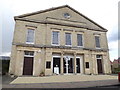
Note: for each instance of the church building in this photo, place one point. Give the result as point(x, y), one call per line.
point(58, 40)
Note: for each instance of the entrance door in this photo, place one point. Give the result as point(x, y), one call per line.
point(78, 65)
point(70, 65)
point(56, 64)
point(99, 66)
point(28, 66)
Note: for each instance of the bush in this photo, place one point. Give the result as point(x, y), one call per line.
point(116, 70)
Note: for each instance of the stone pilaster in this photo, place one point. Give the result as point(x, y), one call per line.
point(19, 63)
point(75, 63)
point(61, 63)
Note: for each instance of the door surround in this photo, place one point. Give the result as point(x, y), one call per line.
point(28, 54)
point(28, 66)
point(55, 56)
point(81, 63)
point(66, 69)
point(99, 64)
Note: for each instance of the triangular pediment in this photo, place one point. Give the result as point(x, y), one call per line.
point(64, 15)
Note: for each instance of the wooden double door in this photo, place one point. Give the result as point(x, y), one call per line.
point(99, 66)
point(28, 66)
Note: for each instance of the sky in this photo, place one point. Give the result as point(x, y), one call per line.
point(103, 12)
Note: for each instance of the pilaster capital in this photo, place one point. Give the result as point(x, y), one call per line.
point(75, 53)
point(62, 52)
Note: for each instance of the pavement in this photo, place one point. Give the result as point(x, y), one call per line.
point(62, 78)
point(63, 81)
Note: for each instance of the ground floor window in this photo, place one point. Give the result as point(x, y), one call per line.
point(48, 64)
point(87, 64)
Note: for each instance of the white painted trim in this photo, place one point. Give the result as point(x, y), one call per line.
point(81, 64)
point(100, 57)
point(52, 38)
point(71, 39)
point(52, 62)
point(98, 48)
point(29, 43)
point(56, 55)
point(33, 36)
point(28, 56)
point(99, 41)
point(33, 72)
point(82, 40)
point(52, 65)
point(71, 56)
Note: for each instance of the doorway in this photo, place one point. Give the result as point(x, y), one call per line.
point(56, 65)
point(28, 66)
point(77, 65)
point(99, 66)
point(68, 66)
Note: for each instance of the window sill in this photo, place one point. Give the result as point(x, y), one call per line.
point(68, 45)
point(29, 43)
point(55, 44)
point(98, 48)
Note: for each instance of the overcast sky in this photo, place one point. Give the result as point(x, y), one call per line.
point(103, 12)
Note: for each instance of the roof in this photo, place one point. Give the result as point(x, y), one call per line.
point(116, 61)
point(54, 8)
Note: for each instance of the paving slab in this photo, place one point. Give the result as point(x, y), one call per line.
point(62, 78)
point(82, 84)
point(63, 81)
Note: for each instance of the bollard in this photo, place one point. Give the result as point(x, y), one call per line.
point(119, 76)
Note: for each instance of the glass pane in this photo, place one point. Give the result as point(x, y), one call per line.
point(87, 64)
point(55, 37)
point(30, 35)
point(68, 39)
point(31, 53)
point(97, 41)
point(79, 39)
point(98, 56)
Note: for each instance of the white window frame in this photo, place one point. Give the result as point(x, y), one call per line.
point(82, 40)
point(71, 39)
point(33, 36)
point(81, 63)
point(29, 55)
point(58, 38)
point(99, 42)
point(100, 57)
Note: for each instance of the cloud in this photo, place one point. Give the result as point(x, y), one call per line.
point(106, 16)
point(7, 27)
point(119, 48)
point(113, 50)
point(113, 34)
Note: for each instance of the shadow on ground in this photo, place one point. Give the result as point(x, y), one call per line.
point(6, 79)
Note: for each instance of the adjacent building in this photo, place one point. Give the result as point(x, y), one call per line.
point(58, 40)
point(115, 65)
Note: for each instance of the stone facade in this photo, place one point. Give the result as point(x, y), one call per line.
point(44, 23)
